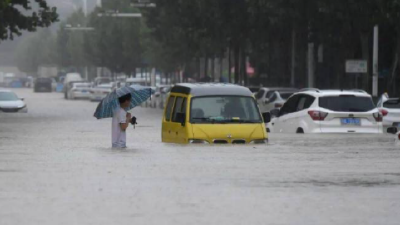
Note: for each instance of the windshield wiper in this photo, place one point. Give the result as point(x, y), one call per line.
point(203, 119)
point(242, 121)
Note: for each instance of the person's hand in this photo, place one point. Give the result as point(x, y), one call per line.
point(128, 117)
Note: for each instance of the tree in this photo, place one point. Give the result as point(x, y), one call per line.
point(13, 20)
point(36, 50)
point(71, 43)
point(116, 43)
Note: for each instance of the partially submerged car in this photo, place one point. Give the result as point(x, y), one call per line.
point(10, 103)
point(329, 111)
point(213, 114)
point(390, 110)
point(273, 98)
point(79, 91)
point(99, 92)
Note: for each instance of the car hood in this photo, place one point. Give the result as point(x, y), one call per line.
point(12, 104)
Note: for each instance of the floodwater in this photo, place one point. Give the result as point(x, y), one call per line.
point(57, 167)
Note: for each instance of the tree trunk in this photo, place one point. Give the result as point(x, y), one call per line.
point(198, 64)
point(243, 67)
point(229, 65)
point(391, 85)
point(206, 67)
point(365, 56)
point(237, 64)
point(221, 62)
point(134, 72)
point(293, 59)
point(213, 69)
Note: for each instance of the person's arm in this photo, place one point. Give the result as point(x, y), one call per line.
point(125, 125)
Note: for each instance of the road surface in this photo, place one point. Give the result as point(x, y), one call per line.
point(57, 167)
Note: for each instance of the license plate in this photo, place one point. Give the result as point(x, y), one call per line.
point(351, 121)
point(84, 91)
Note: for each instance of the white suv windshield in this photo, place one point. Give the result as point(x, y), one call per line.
point(347, 103)
point(224, 109)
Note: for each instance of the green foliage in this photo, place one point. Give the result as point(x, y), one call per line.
point(36, 50)
point(18, 15)
point(116, 43)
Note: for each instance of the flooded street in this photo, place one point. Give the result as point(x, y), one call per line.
point(57, 167)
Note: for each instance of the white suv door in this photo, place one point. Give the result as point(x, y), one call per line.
point(284, 123)
point(301, 119)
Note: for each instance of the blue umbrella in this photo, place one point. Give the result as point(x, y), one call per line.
point(106, 107)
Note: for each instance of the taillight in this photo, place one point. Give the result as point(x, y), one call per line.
point(398, 136)
point(277, 105)
point(317, 115)
point(384, 112)
point(378, 116)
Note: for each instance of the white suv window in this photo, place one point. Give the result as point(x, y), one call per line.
point(347, 103)
point(305, 102)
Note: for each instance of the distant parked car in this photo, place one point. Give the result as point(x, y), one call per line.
point(136, 81)
point(390, 110)
point(272, 98)
point(79, 90)
point(10, 103)
point(160, 95)
point(69, 78)
point(53, 84)
point(102, 80)
point(315, 111)
point(42, 84)
point(100, 92)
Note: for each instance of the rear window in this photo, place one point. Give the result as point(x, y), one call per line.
point(44, 80)
point(347, 103)
point(392, 104)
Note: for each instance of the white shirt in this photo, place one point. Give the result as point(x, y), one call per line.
point(118, 135)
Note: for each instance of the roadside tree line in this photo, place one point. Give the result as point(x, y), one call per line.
point(272, 35)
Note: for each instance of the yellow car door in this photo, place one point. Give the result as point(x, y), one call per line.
point(179, 132)
point(166, 123)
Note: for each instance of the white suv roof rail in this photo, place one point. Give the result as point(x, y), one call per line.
point(310, 89)
point(359, 90)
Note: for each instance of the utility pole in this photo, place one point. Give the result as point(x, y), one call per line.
point(310, 65)
point(293, 64)
point(85, 8)
point(375, 67)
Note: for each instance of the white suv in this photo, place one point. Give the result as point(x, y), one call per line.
point(390, 110)
point(330, 111)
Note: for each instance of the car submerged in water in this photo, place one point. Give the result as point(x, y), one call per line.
point(213, 114)
point(390, 110)
point(327, 111)
point(10, 103)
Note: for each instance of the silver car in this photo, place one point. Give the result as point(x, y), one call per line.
point(272, 98)
point(10, 103)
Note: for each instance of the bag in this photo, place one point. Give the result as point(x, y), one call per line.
point(134, 122)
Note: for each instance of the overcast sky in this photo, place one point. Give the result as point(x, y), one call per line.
point(64, 8)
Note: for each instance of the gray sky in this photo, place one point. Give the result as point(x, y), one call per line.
point(64, 8)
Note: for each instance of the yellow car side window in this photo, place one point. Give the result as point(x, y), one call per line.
point(169, 108)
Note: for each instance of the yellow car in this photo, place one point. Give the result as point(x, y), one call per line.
point(213, 114)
